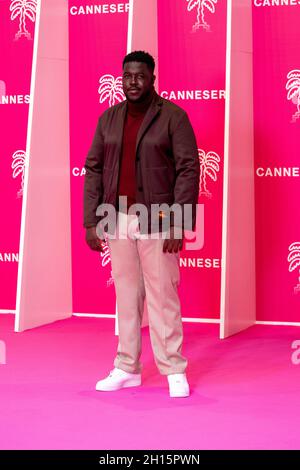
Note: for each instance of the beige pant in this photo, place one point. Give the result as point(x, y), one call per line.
point(140, 269)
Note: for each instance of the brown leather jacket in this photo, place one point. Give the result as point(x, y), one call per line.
point(167, 163)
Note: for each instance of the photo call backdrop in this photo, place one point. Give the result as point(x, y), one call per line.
point(191, 69)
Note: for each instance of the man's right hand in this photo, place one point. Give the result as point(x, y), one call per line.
point(92, 239)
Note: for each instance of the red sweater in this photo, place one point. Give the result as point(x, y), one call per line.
point(134, 118)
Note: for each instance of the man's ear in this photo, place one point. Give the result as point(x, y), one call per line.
point(153, 78)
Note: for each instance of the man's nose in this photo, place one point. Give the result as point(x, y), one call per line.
point(133, 80)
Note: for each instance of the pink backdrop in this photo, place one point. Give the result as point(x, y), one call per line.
point(190, 60)
point(187, 63)
point(93, 290)
point(98, 43)
point(16, 45)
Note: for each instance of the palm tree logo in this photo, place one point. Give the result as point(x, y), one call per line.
point(110, 88)
point(209, 167)
point(23, 9)
point(293, 87)
point(18, 166)
point(294, 262)
point(201, 6)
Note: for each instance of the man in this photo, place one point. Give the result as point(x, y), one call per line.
point(145, 150)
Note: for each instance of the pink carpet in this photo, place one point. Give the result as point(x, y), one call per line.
point(245, 391)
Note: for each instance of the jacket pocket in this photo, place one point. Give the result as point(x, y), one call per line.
point(162, 180)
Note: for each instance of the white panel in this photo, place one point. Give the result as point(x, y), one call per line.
point(238, 236)
point(44, 290)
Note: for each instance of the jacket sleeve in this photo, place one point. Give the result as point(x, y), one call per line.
point(93, 184)
point(185, 153)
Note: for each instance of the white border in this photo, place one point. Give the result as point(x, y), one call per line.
point(278, 323)
point(130, 22)
point(200, 320)
point(184, 319)
point(195, 320)
point(225, 170)
point(95, 315)
point(28, 144)
point(187, 320)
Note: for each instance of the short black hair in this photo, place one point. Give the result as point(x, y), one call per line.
point(140, 56)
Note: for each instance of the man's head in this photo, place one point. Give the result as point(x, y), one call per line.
point(138, 76)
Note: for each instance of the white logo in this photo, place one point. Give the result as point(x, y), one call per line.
point(193, 94)
point(23, 9)
point(98, 9)
point(9, 257)
point(293, 87)
point(18, 165)
point(294, 262)
point(111, 88)
point(14, 99)
point(78, 171)
point(201, 6)
point(105, 255)
point(279, 171)
point(209, 166)
point(276, 3)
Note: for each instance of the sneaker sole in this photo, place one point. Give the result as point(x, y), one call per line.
point(114, 389)
point(180, 395)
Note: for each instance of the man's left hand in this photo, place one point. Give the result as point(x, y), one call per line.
point(174, 242)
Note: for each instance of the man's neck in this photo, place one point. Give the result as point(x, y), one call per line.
point(141, 107)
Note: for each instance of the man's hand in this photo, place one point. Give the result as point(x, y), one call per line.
point(92, 239)
point(173, 243)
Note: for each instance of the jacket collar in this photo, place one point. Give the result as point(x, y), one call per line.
point(152, 111)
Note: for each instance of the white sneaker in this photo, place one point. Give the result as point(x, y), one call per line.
point(178, 385)
point(117, 379)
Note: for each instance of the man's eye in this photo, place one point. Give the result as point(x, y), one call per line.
point(128, 76)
